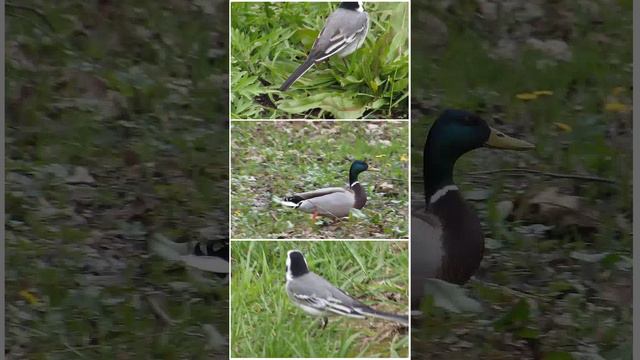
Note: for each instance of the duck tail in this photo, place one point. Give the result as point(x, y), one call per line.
point(294, 199)
point(289, 201)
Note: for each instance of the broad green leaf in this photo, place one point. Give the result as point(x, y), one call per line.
point(306, 36)
point(340, 106)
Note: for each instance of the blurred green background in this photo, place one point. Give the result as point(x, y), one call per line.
point(556, 278)
point(116, 131)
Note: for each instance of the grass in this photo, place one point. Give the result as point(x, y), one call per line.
point(269, 40)
point(128, 92)
point(266, 324)
point(577, 307)
point(279, 158)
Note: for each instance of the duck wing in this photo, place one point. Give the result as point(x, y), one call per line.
point(314, 193)
point(295, 199)
point(427, 250)
point(335, 201)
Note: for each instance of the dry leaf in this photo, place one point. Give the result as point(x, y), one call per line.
point(551, 207)
point(81, 176)
point(385, 187)
point(504, 209)
point(207, 263)
point(562, 126)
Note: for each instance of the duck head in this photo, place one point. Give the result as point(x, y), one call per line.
point(357, 167)
point(455, 133)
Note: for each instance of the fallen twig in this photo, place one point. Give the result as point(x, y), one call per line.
point(71, 348)
point(419, 180)
point(75, 350)
point(157, 309)
point(544, 173)
point(517, 293)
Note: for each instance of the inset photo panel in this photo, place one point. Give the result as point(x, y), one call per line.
point(319, 60)
point(320, 299)
point(319, 180)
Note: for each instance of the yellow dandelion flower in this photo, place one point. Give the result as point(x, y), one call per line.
point(29, 297)
point(617, 107)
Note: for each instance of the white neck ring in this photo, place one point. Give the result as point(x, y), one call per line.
point(442, 192)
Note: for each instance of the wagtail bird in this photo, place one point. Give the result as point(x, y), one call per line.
point(316, 296)
point(344, 32)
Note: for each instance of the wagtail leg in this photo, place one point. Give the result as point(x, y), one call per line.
point(325, 321)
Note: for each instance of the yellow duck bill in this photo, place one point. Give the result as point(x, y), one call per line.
point(499, 140)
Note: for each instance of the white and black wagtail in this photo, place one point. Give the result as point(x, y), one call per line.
point(343, 33)
point(318, 297)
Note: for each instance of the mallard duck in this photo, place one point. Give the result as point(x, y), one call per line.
point(211, 256)
point(446, 236)
point(334, 202)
